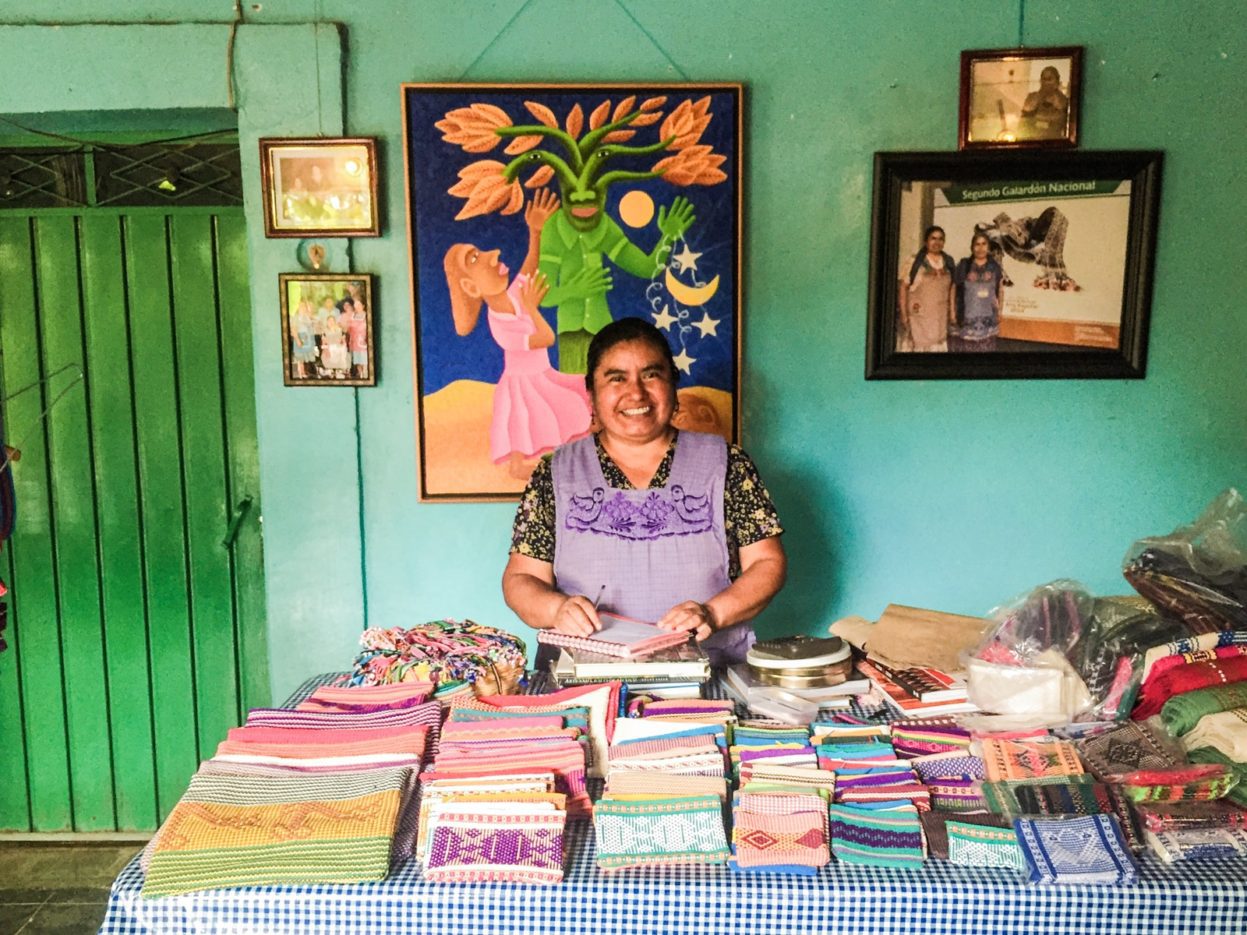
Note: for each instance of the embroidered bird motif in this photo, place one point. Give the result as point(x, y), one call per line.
point(691, 508)
point(582, 510)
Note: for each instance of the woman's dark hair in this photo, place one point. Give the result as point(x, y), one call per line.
point(621, 331)
point(926, 234)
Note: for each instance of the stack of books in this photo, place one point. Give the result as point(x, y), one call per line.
point(679, 671)
point(918, 690)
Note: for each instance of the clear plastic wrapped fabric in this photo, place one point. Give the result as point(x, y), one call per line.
point(1197, 573)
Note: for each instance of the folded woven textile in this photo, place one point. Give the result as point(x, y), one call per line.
point(428, 714)
point(1185, 679)
point(1176, 816)
point(798, 837)
point(1192, 782)
point(1064, 796)
point(935, 828)
point(1182, 712)
point(975, 845)
point(957, 794)
point(938, 765)
point(1237, 792)
point(1197, 843)
point(877, 837)
point(438, 794)
point(1124, 749)
point(677, 830)
point(524, 846)
point(913, 740)
point(367, 698)
point(1089, 849)
point(1191, 644)
point(1029, 759)
point(331, 828)
point(1226, 731)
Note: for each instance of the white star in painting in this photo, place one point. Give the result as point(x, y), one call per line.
point(684, 362)
point(664, 319)
point(686, 259)
point(707, 326)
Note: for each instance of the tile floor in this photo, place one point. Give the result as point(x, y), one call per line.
point(57, 888)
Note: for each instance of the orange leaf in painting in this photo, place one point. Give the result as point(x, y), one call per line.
point(697, 165)
point(599, 115)
point(575, 121)
point(619, 136)
point(522, 144)
point(623, 108)
point(542, 113)
point(485, 190)
point(540, 177)
point(644, 120)
point(686, 123)
point(473, 127)
point(653, 103)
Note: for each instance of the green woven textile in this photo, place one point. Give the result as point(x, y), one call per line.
point(1182, 712)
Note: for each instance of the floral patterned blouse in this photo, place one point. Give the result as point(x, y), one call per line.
point(748, 513)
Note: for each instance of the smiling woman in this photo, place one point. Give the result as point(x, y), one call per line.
point(659, 525)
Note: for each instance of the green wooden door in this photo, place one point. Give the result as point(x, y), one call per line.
point(137, 632)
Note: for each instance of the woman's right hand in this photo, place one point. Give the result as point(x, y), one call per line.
point(576, 616)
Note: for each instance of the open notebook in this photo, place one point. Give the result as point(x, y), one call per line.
point(619, 636)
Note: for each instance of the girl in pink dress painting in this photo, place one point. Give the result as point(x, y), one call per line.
point(536, 408)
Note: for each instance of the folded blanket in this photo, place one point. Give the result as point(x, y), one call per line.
point(1028, 759)
point(1177, 816)
point(1237, 792)
point(877, 837)
point(1075, 850)
point(329, 828)
point(1123, 749)
point(1226, 730)
point(1185, 679)
point(1197, 843)
point(1182, 712)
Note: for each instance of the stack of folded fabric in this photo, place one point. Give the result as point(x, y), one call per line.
point(779, 828)
point(762, 741)
point(1086, 849)
point(322, 794)
point(1193, 830)
point(645, 830)
point(880, 836)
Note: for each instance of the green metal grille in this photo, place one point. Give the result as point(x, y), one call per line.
point(149, 175)
point(43, 178)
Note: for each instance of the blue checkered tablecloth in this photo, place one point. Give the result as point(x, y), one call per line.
point(939, 898)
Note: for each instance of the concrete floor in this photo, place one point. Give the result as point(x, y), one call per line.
point(57, 888)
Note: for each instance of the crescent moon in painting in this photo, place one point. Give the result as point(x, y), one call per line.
point(691, 296)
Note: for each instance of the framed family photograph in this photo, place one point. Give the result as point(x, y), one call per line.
point(995, 265)
point(319, 186)
point(1020, 98)
point(327, 333)
point(538, 214)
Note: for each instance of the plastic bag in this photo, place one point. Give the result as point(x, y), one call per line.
point(1197, 573)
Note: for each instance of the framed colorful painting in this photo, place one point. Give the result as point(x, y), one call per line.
point(586, 203)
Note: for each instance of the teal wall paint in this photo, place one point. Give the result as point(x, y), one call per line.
point(947, 494)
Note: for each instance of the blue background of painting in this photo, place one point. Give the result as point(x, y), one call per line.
point(434, 166)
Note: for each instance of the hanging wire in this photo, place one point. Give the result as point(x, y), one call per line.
point(230, 90)
point(5, 460)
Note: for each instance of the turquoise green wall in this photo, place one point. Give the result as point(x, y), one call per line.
point(947, 494)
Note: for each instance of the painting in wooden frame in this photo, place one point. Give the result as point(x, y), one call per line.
point(328, 336)
point(607, 200)
point(994, 265)
point(319, 186)
point(1020, 98)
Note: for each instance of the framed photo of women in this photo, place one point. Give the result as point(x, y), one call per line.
point(537, 214)
point(319, 186)
point(327, 332)
point(996, 265)
point(1020, 98)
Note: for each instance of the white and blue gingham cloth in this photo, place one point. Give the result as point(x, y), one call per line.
point(939, 898)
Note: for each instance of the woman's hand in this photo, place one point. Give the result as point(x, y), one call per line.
point(690, 616)
point(576, 616)
point(534, 291)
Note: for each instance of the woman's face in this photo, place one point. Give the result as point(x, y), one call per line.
point(486, 272)
point(634, 392)
point(935, 241)
point(979, 248)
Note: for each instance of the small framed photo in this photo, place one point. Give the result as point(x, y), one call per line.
point(327, 334)
point(1012, 265)
point(319, 186)
point(1020, 98)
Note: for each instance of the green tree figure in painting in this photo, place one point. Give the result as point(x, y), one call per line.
point(580, 236)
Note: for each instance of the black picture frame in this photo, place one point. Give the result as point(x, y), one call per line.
point(1083, 315)
point(316, 348)
point(1021, 98)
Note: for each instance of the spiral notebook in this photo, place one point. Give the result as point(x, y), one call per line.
point(619, 636)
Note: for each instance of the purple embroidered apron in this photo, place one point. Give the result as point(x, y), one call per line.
point(652, 549)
